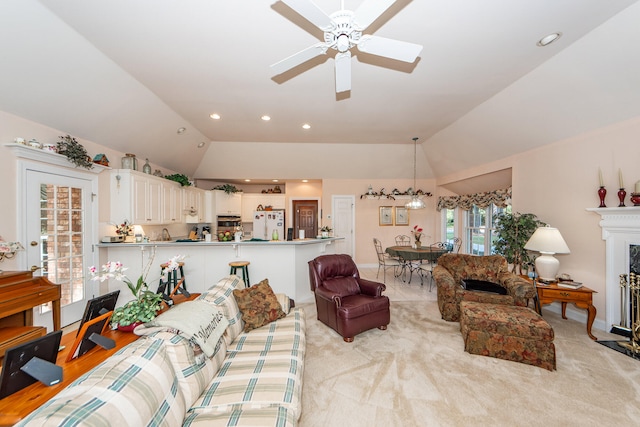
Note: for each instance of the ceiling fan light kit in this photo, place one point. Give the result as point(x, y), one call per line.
point(343, 31)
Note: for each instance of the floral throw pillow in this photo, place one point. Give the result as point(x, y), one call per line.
point(258, 305)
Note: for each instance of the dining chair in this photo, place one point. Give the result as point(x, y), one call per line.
point(385, 262)
point(427, 266)
point(457, 244)
point(403, 240)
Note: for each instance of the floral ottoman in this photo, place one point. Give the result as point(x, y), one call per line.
point(507, 332)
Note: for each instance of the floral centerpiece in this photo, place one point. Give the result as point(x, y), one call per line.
point(325, 230)
point(146, 303)
point(417, 235)
point(125, 229)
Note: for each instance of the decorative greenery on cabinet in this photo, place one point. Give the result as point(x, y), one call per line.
point(75, 152)
point(179, 178)
point(227, 188)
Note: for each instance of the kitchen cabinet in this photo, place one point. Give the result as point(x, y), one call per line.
point(136, 197)
point(250, 202)
point(195, 199)
point(171, 203)
point(227, 204)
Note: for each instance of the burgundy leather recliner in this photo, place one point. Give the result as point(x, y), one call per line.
point(345, 302)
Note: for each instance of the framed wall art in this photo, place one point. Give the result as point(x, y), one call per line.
point(385, 215)
point(401, 215)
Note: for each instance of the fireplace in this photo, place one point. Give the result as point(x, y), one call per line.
point(621, 232)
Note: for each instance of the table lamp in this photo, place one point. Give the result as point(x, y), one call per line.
point(548, 241)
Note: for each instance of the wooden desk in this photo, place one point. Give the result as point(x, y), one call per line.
point(20, 292)
point(17, 406)
point(581, 297)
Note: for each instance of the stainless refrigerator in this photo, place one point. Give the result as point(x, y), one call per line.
point(269, 225)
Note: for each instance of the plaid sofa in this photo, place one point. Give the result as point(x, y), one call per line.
point(254, 378)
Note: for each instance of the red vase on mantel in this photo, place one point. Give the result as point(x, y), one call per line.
point(621, 195)
point(602, 192)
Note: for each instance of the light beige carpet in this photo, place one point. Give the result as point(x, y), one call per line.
point(417, 373)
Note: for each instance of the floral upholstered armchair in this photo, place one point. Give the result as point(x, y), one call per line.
point(452, 269)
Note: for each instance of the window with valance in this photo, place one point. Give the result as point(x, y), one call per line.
point(499, 198)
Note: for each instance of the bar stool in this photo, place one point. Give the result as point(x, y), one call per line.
point(168, 287)
point(244, 266)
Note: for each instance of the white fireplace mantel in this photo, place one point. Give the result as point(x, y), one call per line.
point(620, 229)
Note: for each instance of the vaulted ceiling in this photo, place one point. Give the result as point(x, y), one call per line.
point(129, 73)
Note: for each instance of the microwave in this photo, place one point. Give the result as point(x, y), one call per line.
point(229, 221)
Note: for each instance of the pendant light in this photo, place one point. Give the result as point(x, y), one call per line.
point(416, 202)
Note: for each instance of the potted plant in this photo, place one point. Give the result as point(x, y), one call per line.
point(513, 231)
point(146, 303)
point(325, 230)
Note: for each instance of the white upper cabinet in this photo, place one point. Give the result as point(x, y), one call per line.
point(195, 200)
point(136, 197)
point(227, 204)
point(171, 203)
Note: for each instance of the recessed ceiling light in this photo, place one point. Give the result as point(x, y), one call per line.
point(274, 180)
point(547, 40)
point(215, 116)
point(265, 118)
point(200, 145)
point(306, 126)
point(180, 131)
point(305, 180)
point(247, 180)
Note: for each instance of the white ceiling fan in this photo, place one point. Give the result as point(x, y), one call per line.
point(342, 31)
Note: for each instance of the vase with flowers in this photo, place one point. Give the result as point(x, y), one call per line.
point(126, 231)
point(146, 303)
point(417, 235)
point(324, 231)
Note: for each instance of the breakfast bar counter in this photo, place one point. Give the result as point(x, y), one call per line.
point(283, 262)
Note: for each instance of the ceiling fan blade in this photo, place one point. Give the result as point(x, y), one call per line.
point(394, 49)
point(343, 72)
point(311, 12)
point(369, 11)
point(298, 58)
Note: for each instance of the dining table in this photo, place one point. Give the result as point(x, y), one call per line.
point(413, 259)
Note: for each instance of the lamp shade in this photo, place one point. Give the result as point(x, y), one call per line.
point(547, 240)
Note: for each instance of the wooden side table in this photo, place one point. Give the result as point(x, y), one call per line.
point(581, 297)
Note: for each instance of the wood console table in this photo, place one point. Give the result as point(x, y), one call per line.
point(20, 404)
point(20, 292)
point(581, 297)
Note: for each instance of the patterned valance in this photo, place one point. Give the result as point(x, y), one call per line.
point(500, 198)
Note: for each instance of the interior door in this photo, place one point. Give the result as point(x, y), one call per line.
point(305, 217)
point(344, 223)
point(58, 215)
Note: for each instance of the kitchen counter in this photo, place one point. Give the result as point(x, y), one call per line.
point(283, 262)
point(313, 241)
